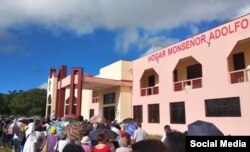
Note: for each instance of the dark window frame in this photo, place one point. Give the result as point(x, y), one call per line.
point(91, 113)
point(109, 98)
point(151, 80)
point(154, 113)
point(194, 71)
point(138, 113)
point(239, 61)
point(177, 112)
point(223, 107)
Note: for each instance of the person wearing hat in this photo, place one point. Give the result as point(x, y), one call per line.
point(22, 138)
point(123, 146)
point(85, 142)
point(52, 139)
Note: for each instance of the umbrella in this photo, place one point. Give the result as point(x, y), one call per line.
point(15, 127)
point(97, 119)
point(60, 125)
point(108, 134)
point(70, 117)
point(130, 128)
point(128, 120)
point(23, 120)
point(76, 130)
point(117, 126)
point(203, 128)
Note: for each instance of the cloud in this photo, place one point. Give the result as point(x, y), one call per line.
point(130, 16)
point(244, 10)
point(83, 16)
point(194, 29)
point(10, 44)
point(12, 48)
point(162, 43)
point(43, 86)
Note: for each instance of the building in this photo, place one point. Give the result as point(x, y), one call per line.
point(89, 95)
point(205, 77)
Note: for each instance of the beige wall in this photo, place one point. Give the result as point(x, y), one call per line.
point(124, 104)
point(182, 67)
point(146, 74)
point(242, 47)
point(121, 70)
point(106, 91)
point(52, 91)
point(86, 100)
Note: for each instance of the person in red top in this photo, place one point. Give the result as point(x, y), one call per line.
point(101, 146)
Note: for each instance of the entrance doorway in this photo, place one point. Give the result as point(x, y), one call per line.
point(109, 113)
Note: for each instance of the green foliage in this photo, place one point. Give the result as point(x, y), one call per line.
point(4, 108)
point(29, 103)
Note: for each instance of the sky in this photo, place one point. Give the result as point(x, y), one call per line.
point(36, 35)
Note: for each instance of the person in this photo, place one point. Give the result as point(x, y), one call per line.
point(36, 139)
point(127, 138)
point(91, 135)
point(175, 141)
point(52, 139)
point(72, 147)
point(167, 129)
point(22, 138)
point(85, 142)
point(80, 118)
point(140, 134)
point(123, 146)
point(110, 143)
point(149, 146)
point(31, 127)
point(1, 128)
point(62, 142)
point(53, 116)
point(101, 146)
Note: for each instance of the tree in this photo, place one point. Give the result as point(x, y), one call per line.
point(31, 102)
point(4, 109)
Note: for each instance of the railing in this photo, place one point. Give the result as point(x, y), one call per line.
point(149, 91)
point(240, 76)
point(95, 99)
point(188, 84)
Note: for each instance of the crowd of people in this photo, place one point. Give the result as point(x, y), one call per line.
point(81, 136)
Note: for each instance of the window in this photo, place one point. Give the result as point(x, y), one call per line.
point(137, 113)
point(239, 61)
point(49, 111)
point(109, 98)
point(91, 113)
point(49, 100)
point(49, 106)
point(177, 113)
point(66, 107)
point(223, 107)
point(109, 113)
point(175, 75)
point(194, 71)
point(75, 105)
point(49, 84)
point(151, 81)
point(153, 113)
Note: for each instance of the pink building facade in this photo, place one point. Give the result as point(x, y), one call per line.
point(205, 77)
